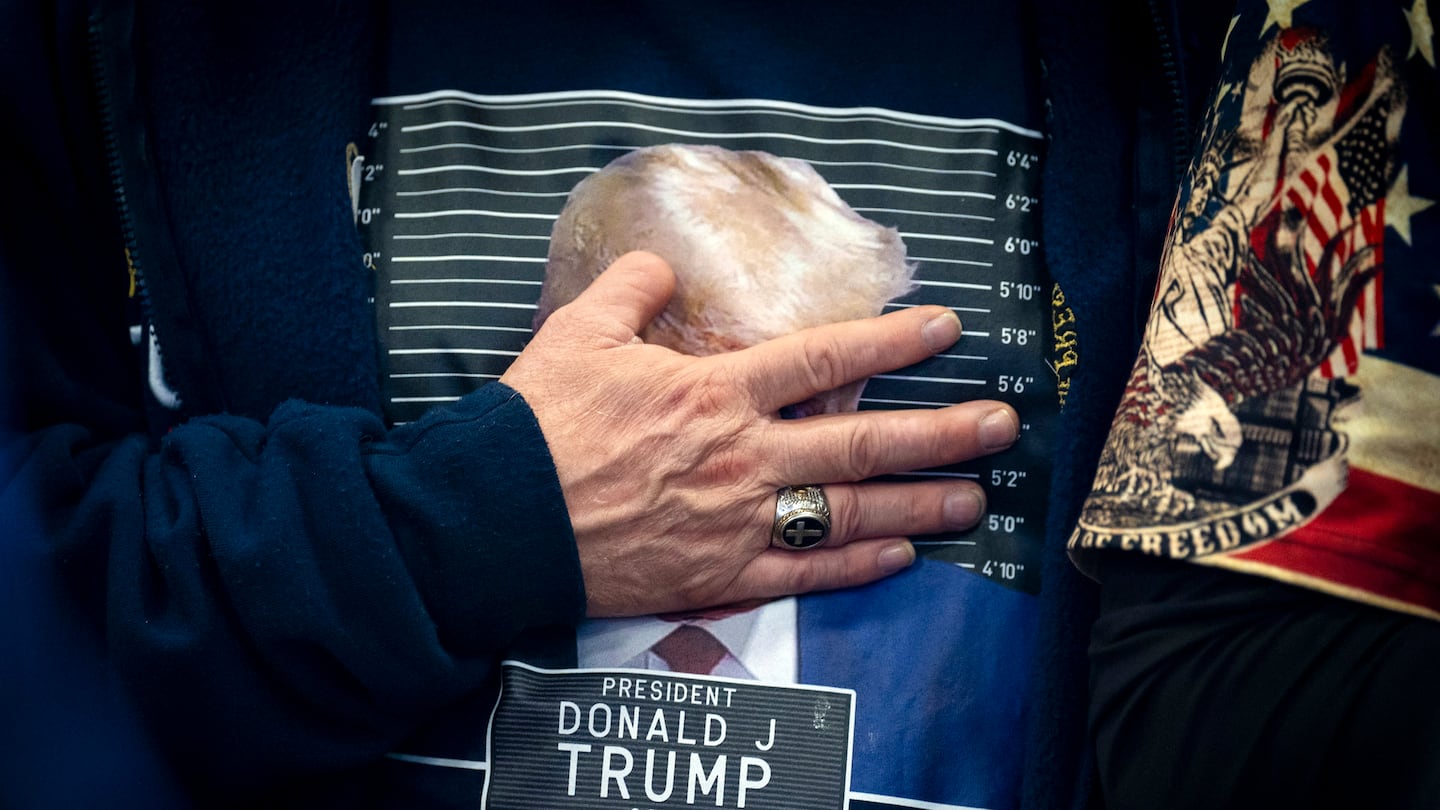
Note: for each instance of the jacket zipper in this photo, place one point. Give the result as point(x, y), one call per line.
point(105, 96)
point(1170, 67)
point(159, 280)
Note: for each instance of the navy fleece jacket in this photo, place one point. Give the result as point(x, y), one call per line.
point(285, 585)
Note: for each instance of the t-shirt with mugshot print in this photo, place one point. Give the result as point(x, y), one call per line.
point(927, 122)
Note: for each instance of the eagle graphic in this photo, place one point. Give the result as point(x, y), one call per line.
point(1287, 322)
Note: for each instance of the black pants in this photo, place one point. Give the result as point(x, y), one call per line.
point(1220, 690)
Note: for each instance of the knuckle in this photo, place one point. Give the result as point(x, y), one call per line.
point(692, 590)
point(564, 323)
point(697, 399)
point(711, 394)
point(732, 462)
point(826, 365)
point(809, 577)
point(847, 517)
point(684, 394)
point(864, 448)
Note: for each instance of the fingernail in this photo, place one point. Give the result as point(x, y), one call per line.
point(941, 332)
point(894, 558)
point(997, 430)
point(963, 508)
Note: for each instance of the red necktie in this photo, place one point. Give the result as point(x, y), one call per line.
point(690, 649)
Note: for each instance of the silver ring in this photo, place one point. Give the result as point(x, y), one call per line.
point(802, 517)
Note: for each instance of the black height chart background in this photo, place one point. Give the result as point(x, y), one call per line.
point(457, 194)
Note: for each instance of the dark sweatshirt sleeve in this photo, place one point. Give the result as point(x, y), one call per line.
point(297, 596)
point(284, 594)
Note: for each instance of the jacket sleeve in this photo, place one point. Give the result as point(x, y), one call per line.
point(280, 595)
point(300, 594)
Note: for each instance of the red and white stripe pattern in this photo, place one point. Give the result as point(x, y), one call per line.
point(1322, 194)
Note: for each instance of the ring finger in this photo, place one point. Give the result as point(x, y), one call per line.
point(898, 509)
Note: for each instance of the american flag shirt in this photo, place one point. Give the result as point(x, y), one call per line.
point(1280, 417)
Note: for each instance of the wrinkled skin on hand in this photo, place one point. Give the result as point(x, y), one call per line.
point(669, 463)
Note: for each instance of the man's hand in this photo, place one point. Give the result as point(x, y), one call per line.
point(669, 463)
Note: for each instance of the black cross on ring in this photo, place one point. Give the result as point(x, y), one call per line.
point(800, 537)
